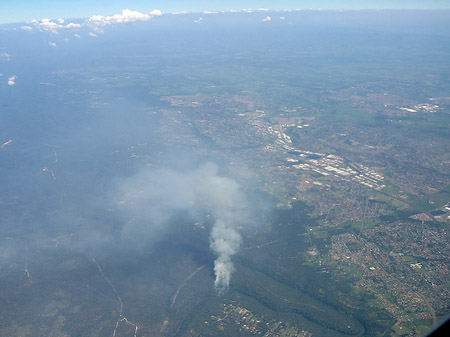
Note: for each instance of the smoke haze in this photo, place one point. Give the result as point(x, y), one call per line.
point(149, 198)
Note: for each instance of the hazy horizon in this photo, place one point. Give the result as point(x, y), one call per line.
point(26, 10)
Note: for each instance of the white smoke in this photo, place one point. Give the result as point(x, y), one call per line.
point(153, 195)
point(225, 242)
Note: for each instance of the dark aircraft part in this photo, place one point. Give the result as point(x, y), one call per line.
point(440, 330)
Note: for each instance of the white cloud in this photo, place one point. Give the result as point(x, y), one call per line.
point(241, 10)
point(126, 16)
point(268, 18)
point(209, 12)
point(77, 35)
point(46, 24)
point(93, 34)
point(73, 25)
point(282, 18)
point(12, 80)
point(180, 13)
point(53, 44)
point(96, 21)
point(5, 56)
point(156, 12)
point(200, 20)
point(51, 26)
point(263, 9)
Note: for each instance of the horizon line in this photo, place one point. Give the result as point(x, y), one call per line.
point(245, 11)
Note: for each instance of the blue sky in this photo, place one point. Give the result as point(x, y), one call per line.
point(24, 10)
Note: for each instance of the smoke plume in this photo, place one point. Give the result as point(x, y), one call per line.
point(225, 242)
point(151, 196)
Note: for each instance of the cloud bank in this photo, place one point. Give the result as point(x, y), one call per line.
point(96, 20)
point(51, 26)
point(152, 196)
point(126, 16)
